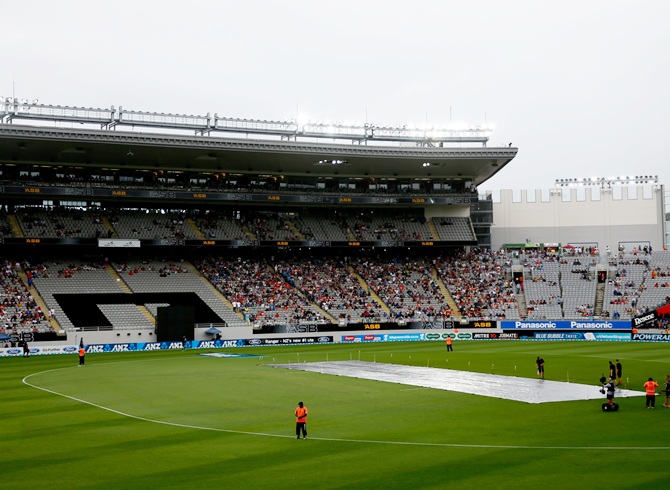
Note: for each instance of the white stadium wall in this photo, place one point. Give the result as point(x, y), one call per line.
point(447, 210)
point(606, 217)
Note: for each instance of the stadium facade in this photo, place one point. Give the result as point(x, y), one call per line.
point(121, 188)
point(122, 159)
point(601, 217)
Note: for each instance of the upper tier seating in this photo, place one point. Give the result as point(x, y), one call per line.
point(454, 229)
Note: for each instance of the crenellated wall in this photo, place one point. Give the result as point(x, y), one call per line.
point(605, 217)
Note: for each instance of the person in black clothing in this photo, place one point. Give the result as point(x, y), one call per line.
point(619, 372)
point(608, 390)
point(540, 367)
point(612, 371)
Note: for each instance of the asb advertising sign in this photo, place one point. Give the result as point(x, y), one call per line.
point(565, 325)
point(315, 328)
point(478, 324)
point(29, 337)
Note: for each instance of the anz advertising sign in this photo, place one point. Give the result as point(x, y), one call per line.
point(565, 325)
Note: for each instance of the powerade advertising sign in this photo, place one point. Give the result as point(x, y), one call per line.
point(651, 337)
point(565, 325)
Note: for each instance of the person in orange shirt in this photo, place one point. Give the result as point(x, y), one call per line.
point(650, 389)
point(301, 421)
point(449, 346)
point(82, 353)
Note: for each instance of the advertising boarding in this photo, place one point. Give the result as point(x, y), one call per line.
point(543, 325)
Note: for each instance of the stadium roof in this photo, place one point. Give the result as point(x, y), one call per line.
point(123, 139)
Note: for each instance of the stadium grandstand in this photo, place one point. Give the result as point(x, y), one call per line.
point(112, 219)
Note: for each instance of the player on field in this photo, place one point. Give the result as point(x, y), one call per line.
point(540, 367)
point(301, 421)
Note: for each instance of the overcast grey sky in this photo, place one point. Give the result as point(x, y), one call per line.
point(580, 87)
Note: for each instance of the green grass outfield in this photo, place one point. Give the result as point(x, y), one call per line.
point(182, 420)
